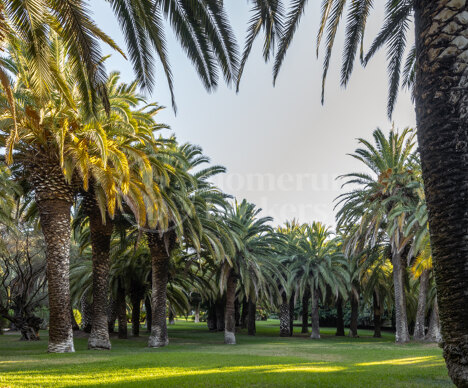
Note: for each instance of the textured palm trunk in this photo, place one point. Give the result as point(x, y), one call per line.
point(229, 312)
point(314, 315)
point(441, 99)
point(252, 309)
point(160, 268)
point(339, 317)
point(55, 224)
point(305, 311)
point(420, 326)
point(135, 299)
point(377, 318)
point(433, 332)
point(401, 319)
point(354, 315)
point(86, 314)
point(112, 314)
point(100, 244)
point(148, 314)
point(54, 197)
point(122, 311)
point(285, 321)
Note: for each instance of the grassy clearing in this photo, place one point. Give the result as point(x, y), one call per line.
point(197, 358)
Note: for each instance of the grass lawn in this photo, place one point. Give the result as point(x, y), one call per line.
point(197, 358)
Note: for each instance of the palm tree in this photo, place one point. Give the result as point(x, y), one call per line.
point(320, 267)
point(434, 69)
point(251, 264)
point(369, 206)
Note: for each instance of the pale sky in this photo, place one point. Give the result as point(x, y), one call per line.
point(282, 148)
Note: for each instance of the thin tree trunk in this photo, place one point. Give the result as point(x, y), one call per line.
point(197, 313)
point(433, 333)
point(315, 316)
point(135, 299)
point(55, 224)
point(339, 317)
point(291, 314)
point(441, 99)
point(420, 324)
point(160, 267)
point(354, 315)
point(100, 243)
point(86, 314)
point(252, 315)
point(171, 317)
point(401, 320)
point(148, 314)
point(305, 311)
point(377, 318)
point(285, 321)
point(122, 311)
point(229, 312)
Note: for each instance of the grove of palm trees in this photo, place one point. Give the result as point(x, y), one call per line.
point(118, 235)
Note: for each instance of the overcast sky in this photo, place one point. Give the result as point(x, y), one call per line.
point(282, 148)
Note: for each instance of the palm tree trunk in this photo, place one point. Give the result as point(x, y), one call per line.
point(112, 314)
point(401, 320)
point(237, 313)
point(171, 316)
point(377, 318)
point(420, 324)
point(55, 224)
point(197, 313)
point(339, 317)
point(220, 324)
point(211, 317)
point(252, 310)
point(86, 314)
point(285, 321)
point(433, 333)
point(354, 315)
point(315, 316)
point(305, 311)
point(100, 244)
point(291, 313)
point(160, 267)
point(121, 310)
point(245, 313)
point(229, 312)
point(148, 314)
point(441, 99)
point(135, 299)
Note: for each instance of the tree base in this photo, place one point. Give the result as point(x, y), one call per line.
point(315, 336)
point(98, 343)
point(456, 358)
point(154, 342)
point(229, 338)
point(62, 347)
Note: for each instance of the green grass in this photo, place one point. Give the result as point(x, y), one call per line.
point(197, 358)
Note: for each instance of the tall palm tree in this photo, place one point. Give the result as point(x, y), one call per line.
point(251, 264)
point(367, 208)
point(435, 69)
